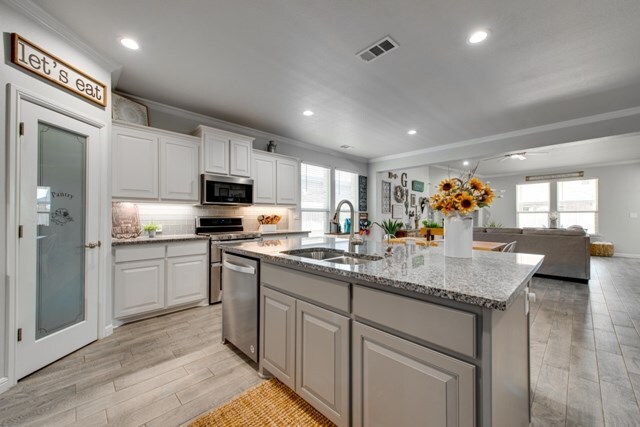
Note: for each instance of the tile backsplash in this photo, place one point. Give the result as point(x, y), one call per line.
point(180, 219)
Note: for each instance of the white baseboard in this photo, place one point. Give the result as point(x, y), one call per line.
point(108, 330)
point(623, 255)
point(5, 384)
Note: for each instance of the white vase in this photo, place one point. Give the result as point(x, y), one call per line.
point(458, 236)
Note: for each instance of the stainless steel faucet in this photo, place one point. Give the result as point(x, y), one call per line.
point(352, 240)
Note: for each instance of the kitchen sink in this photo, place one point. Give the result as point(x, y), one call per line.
point(333, 256)
point(349, 260)
point(315, 254)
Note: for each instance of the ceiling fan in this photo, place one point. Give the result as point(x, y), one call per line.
point(522, 155)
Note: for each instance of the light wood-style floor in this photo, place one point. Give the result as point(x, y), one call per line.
point(585, 352)
point(585, 348)
point(163, 371)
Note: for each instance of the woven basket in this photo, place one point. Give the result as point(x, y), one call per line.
point(602, 249)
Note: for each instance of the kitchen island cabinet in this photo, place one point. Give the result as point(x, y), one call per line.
point(443, 340)
point(305, 339)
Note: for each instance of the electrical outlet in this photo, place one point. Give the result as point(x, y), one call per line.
point(633, 215)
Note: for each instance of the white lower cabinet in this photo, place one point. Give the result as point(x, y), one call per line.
point(307, 348)
point(186, 279)
point(399, 383)
point(153, 277)
point(139, 287)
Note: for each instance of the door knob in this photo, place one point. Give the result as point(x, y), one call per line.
point(92, 245)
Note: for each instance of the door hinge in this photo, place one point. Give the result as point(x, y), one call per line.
point(21, 128)
point(19, 334)
point(20, 231)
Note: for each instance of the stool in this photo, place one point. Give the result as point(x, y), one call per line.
point(602, 249)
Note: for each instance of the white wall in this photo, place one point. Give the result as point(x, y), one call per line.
point(618, 197)
point(13, 21)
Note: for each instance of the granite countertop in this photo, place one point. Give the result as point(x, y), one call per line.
point(489, 279)
point(158, 239)
point(277, 232)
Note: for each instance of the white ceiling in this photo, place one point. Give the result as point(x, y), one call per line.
point(576, 155)
point(261, 63)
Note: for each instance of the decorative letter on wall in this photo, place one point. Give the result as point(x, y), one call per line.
point(40, 62)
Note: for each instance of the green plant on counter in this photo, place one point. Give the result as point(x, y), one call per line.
point(431, 224)
point(150, 227)
point(494, 224)
point(390, 226)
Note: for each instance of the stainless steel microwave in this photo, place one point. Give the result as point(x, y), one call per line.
point(225, 190)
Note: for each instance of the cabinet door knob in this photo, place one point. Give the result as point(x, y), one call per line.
point(92, 245)
point(531, 296)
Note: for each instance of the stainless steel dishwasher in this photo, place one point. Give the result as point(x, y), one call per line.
point(240, 303)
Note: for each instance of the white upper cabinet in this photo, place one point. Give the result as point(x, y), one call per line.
point(287, 180)
point(135, 163)
point(216, 154)
point(275, 179)
point(225, 153)
point(240, 158)
point(154, 164)
point(179, 169)
point(264, 178)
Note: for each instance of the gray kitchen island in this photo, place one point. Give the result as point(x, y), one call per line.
point(380, 335)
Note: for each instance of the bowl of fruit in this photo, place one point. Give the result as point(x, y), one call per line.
point(268, 223)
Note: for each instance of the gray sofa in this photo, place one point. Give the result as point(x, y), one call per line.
point(566, 251)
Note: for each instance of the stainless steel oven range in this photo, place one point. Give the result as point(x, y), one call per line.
point(221, 231)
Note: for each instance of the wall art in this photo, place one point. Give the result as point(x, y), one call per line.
point(362, 193)
point(397, 212)
point(129, 111)
point(36, 60)
point(386, 197)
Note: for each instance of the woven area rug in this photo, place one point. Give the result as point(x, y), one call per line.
point(269, 404)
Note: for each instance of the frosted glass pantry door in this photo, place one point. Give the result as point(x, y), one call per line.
point(58, 256)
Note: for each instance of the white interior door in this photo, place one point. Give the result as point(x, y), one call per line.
point(58, 251)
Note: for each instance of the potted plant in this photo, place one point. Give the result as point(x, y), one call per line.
point(456, 199)
point(430, 224)
point(390, 227)
point(151, 229)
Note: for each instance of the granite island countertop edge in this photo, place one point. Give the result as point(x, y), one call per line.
point(327, 268)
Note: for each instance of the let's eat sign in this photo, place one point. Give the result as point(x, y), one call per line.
point(33, 58)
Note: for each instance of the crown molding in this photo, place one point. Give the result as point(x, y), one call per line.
point(635, 111)
point(212, 121)
point(557, 169)
point(45, 20)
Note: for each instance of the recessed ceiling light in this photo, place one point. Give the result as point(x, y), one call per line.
point(130, 43)
point(308, 113)
point(465, 163)
point(412, 132)
point(478, 36)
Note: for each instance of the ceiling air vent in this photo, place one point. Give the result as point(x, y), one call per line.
point(378, 49)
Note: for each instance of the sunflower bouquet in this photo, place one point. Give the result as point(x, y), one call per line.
point(461, 195)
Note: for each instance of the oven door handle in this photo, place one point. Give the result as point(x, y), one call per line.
point(239, 268)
